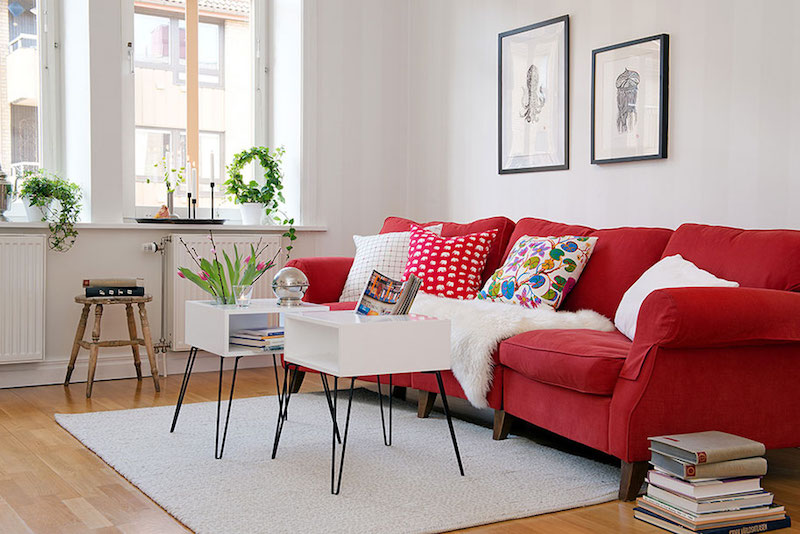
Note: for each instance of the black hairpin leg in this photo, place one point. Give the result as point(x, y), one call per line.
point(278, 391)
point(283, 404)
point(336, 479)
point(380, 400)
point(449, 420)
point(219, 448)
point(327, 389)
point(186, 374)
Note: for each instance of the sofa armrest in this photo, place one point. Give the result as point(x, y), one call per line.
point(326, 277)
point(701, 317)
point(712, 317)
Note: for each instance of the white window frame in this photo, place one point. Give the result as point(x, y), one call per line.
point(259, 96)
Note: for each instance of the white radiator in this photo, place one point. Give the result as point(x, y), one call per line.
point(22, 284)
point(180, 290)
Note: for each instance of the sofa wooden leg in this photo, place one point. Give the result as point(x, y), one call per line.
point(399, 392)
point(425, 404)
point(502, 424)
point(631, 480)
point(296, 380)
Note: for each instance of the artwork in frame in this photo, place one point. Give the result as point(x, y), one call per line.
point(630, 83)
point(533, 97)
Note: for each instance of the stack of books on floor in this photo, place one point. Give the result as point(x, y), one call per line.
point(709, 483)
point(264, 338)
point(114, 287)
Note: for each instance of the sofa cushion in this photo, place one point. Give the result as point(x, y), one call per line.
point(767, 259)
point(503, 225)
point(587, 361)
point(448, 266)
point(619, 258)
point(539, 271)
point(386, 253)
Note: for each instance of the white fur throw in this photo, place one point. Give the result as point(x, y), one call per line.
point(478, 326)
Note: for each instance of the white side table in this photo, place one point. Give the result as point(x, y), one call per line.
point(208, 328)
point(343, 344)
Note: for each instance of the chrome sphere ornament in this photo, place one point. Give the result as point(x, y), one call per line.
point(289, 285)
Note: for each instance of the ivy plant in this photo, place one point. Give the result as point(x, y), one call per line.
point(270, 193)
point(60, 200)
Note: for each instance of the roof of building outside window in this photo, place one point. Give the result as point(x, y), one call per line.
point(234, 7)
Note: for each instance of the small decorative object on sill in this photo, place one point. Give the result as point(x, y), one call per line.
point(220, 280)
point(172, 178)
point(290, 285)
point(52, 199)
point(242, 294)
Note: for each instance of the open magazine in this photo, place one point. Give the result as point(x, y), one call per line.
point(384, 296)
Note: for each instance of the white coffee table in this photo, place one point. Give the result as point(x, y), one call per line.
point(345, 345)
point(208, 328)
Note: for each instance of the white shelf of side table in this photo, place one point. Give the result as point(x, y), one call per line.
point(209, 326)
point(346, 345)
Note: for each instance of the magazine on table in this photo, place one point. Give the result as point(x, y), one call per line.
point(385, 296)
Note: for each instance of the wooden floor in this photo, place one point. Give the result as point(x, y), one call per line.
point(50, 483)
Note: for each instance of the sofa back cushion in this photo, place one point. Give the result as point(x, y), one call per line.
point(503, 225)
point(768, 259)
point(620, 257)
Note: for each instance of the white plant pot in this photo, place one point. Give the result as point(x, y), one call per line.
point(35, 213)
point(252, 213)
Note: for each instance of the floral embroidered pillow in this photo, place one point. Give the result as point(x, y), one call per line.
point(539, 270)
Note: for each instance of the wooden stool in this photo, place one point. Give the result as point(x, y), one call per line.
point(95, 344)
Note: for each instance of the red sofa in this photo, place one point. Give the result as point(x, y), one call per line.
point(702, 358)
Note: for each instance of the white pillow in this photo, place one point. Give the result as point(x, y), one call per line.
point(672, 271)
point(385, 253)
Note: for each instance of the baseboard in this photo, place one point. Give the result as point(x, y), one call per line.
point(112, 367)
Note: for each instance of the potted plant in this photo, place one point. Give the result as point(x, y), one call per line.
point(212, 276)
point(173, 177)
point(256, 200)
point(52, 199)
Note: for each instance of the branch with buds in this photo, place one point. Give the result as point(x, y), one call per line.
point(218, 279)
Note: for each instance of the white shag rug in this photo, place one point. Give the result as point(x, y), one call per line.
point(478, 326)
point(412, 486)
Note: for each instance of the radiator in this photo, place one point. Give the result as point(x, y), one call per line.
point(180, 290)
point(22, 293)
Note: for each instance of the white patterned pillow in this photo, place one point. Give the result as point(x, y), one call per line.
point(385, 253)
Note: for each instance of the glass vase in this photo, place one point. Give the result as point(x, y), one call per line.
point(227, 300)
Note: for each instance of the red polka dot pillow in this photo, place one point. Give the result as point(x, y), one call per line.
point(448, 266)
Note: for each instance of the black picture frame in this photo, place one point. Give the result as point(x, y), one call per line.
point(663, 99)
point(566, 97)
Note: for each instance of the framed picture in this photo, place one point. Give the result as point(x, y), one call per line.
point(630, 82)
point(533, 97)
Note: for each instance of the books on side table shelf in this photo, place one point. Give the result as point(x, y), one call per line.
point(114, 287)
point(708, 483)
point(262, 338)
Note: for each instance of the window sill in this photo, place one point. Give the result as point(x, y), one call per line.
point(177, 228)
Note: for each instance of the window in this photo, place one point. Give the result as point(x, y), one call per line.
point(225, 80)
point(20, 88)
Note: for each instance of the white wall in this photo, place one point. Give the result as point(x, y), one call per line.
point(734, 124)
point(360, 122)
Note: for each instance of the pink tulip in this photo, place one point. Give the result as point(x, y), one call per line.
point(181, 274)
point(247, 259)
point(203, 275)
point(261, 266)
